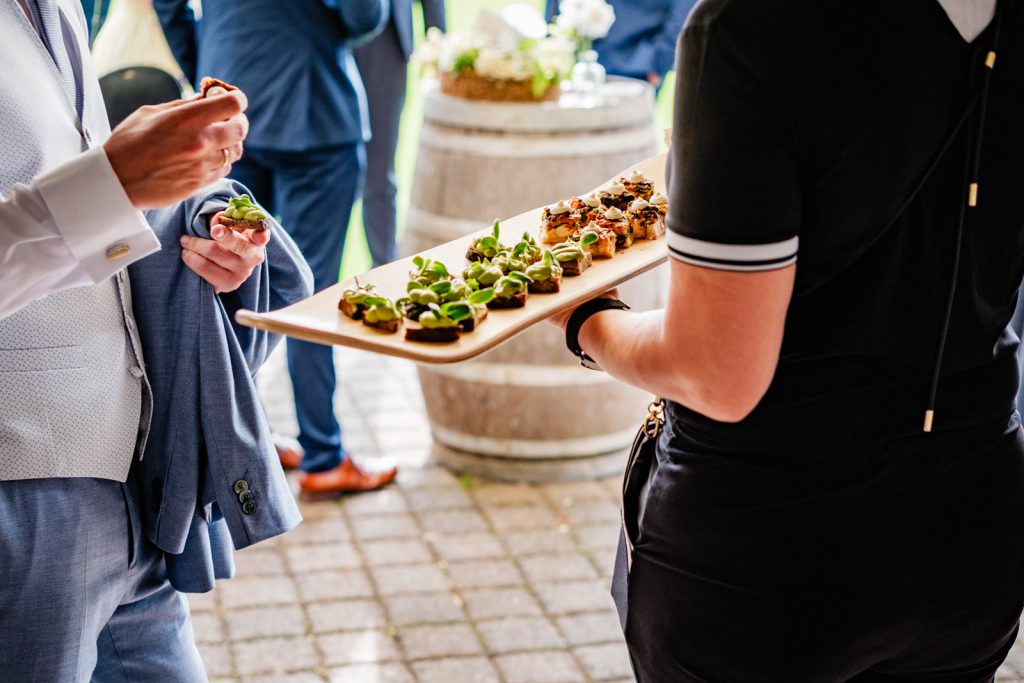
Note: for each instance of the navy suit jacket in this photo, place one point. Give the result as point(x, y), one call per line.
point(208, 432)
point(643, 38)
point(401, 12)
point(293, 59)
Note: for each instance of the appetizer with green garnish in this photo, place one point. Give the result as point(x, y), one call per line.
point(478, 300)
point(487, 246)
point(507, 263)
point(382, 314)
point(545, 275)
point(426, 271)
point(242, 214)
point(510, 291)
point(598, 241)
point(527, 250)
point(439, 323)
point(573, 258)
point(353, 300)
point(482, 274)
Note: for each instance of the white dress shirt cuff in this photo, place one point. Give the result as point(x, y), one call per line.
point(90, 208)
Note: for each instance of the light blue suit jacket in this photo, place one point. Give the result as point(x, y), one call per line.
point(293, 59)
point(209, 433)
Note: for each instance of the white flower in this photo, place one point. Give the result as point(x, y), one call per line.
point(588, 18)
point(454, 45)
point(555, 56)
point(504, 66)
point(429, 51)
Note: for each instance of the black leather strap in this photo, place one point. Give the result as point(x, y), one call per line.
point(576, 320)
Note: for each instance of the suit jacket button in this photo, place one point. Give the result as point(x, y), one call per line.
point(241, 485)
point(245, 496)
point(249, 507)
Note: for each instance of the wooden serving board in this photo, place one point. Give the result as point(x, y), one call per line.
point(317, 319)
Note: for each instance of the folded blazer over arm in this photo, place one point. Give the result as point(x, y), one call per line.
point(210, 461)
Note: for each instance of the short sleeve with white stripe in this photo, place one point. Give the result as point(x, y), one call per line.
point(734, 191)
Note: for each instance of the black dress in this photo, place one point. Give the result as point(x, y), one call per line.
point(826, 537)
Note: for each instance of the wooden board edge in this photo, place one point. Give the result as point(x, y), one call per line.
point(266, 322)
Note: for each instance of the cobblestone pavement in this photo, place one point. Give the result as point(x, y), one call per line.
point(438, 579)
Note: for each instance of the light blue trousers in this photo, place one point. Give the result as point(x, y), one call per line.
point(83, 595)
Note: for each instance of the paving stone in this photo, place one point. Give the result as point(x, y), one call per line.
point(496, 493)
point(274, 655)
point(250, 562)
point(403, 551)
point(484, 573)
point(604, 561)
point(500, 602)
point(207, 627)
point(588, 512)
point(522, 517)
point(332, 530)
point(423, 608)
point(428, 478)
point(262, 590)
point(334, 585)
point(216, 659)
point(371, 673)
point(561, 491)
point(385, 527)
point(452, 521)
point(538, 542)
point(456, 670)
point(358, 647)
point(591, 628)
point(387, 502)
point(306, 558)
point(467, 546)
point(202, 602)
point(515, 634)
point(557, 568)
point(1007, 675)
point(427, 642)
point(439, 499)
point(292, 677)
point(346, 615)
point(410, 578)
point(602, 662)
point(539, 667)
point(265, 622)
point(566, 597)
point(598, 536)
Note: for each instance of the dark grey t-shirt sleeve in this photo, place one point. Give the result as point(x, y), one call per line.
point(734, 194)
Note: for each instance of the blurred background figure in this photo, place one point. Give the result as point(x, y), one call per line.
point(95, 15)
point(304, 160)
point(132, 59)
point(383, 65)
point(642, 41)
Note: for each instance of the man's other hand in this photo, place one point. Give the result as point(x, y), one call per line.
point(164, 153)
point(228, 259)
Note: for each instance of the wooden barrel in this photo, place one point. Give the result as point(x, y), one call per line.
point(527, 410)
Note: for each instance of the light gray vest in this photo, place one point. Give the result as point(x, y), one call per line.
point(73, 396)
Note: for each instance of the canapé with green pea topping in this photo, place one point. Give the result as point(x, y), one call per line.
point(510, 291)
point(545, 275)
point(242, 215)
point(353, 299)
point(382, 313)
point(488, 246)
point(573, 258)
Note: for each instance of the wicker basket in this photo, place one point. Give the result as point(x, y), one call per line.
point(472, 86)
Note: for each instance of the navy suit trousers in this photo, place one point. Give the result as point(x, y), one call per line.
point(312, 194)
point(382, 65)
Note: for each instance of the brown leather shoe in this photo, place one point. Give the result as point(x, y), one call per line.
point(348, 477)
point(288, 450)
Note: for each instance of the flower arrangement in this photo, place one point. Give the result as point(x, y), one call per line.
point(492, 63)
point(585, 21)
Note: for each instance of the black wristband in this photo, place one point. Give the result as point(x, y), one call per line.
point(576, 320)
